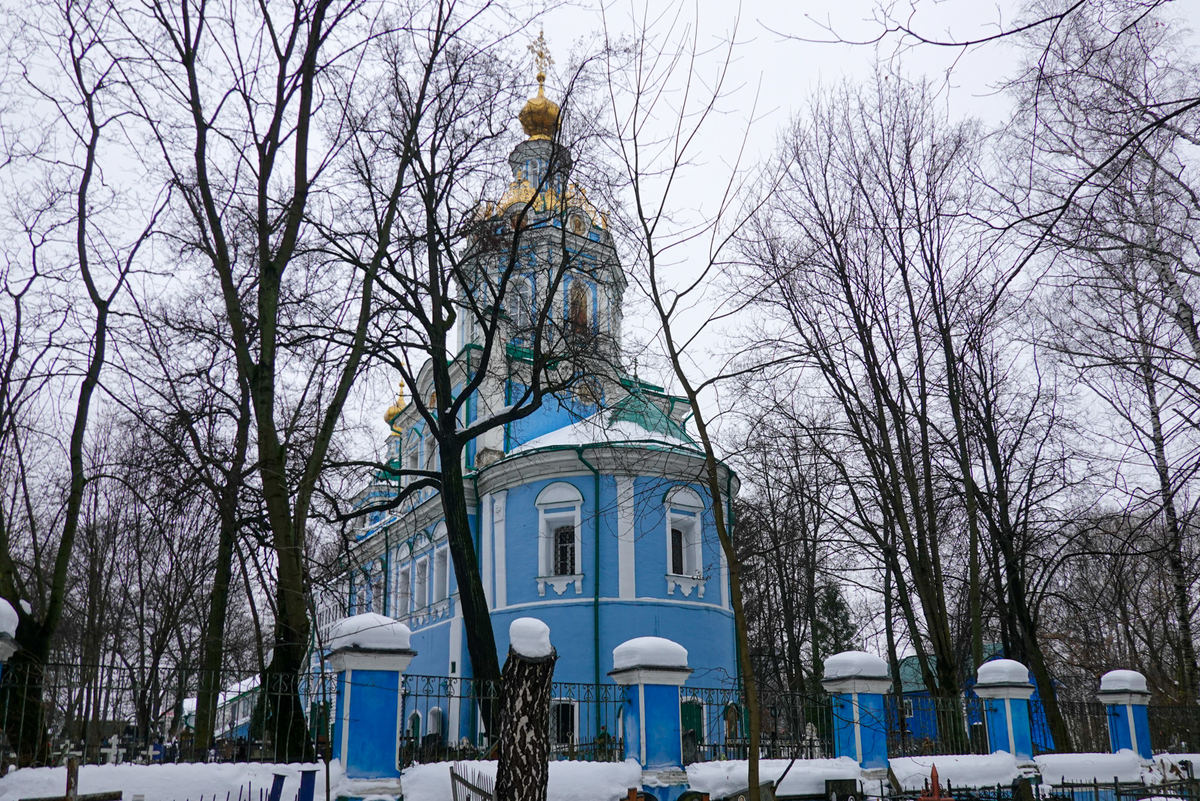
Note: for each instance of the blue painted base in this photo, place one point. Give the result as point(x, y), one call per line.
point(671, 793)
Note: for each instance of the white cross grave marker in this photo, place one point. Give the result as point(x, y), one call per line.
point(114, 752)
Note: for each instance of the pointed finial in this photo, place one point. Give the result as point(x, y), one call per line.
point(541, 57)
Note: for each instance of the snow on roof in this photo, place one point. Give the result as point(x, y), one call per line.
point(368, 631)
point(649, 652)
point(633, 419)
point(530, 637)
point(855, 664)
point(1128, 681)
point(8, 619)
point(1003, 671)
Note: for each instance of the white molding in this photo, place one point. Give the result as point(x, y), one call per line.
point(1007, 691)
point(626, 531)
point(685, 584)
point(560, 583)
point(386, 660)
point(639, 674)
point(485, 537)
point(724, 578)
point(870, 685)
point(1123, 698)
point(499, 501)
point(456, 635)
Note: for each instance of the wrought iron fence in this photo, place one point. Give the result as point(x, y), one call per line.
point(1174, 729)
point(929, 726)
point(1086, 723)
point(111, 713)
point(444, 719)
point(715, 725)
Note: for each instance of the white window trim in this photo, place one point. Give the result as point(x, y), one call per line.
point(559, 504)
point(683, 509)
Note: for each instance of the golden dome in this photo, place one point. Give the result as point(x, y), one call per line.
point(539, 118)
point(394, 410)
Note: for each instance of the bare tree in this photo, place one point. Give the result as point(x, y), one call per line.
point(72, 241)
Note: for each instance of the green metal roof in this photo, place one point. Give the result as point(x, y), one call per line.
point(636, 408)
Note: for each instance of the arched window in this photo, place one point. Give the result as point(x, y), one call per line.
point(560, 535)
point(685, 555)
point(578, 312)
point(521, 307)
point(412, 455)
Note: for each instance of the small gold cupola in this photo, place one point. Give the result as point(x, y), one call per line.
point(539, 118)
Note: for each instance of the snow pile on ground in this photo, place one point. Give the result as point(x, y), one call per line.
point(1125, 765)
point(530, 637)
point(855, 664)
point(649, 652)
point(170, 782)
point(807, 776)
point(8, 619)
point(967, 770)
point(1003, 671)
point(368, 631)
point(569, 781)
point(1129, 681)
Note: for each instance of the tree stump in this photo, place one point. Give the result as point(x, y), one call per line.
point(524, 767)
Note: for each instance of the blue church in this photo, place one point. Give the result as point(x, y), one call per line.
point(590, 514)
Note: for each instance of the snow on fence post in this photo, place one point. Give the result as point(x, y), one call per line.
point(858, 681)
point(653, 669)
point(369, 653)
point(1124, 695)
point(1005, 686)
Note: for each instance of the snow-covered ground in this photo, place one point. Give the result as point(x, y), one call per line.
point(583, 781)
point(172, 782)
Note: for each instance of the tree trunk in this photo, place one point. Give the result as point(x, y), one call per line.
point(524, 767)
point(477, 619)
point(214, 634)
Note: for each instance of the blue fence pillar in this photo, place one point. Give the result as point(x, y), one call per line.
point(1004, 685)
point(1124, 695)
point(652, 670)
point(858, 681)
point(369, 655)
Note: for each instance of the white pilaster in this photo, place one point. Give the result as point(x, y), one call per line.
point(627, 585)
point(499, 502)
point(485, 540)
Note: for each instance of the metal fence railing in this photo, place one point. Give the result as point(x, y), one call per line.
point(109, 713)
point(1174, 729)
point(929, 726)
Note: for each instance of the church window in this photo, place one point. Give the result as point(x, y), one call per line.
point(562, 722)
point(441, 575)
point(411, 456)
point(378, 594)
point(404, 593)
point(685, 553)
point(559, 538)
point(578, 319)
point(677, 551)
point(521, 307)
point(564, 551)
point(431, 453)
point(421, 585)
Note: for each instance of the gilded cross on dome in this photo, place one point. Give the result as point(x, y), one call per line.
point(541, 55)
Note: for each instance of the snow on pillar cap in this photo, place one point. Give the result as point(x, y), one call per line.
point(369, 632)
point(9, 619)
point(651, 652)
point(530, 638)
point(855, 665)
point(1002, 671)
point(1123, 681)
